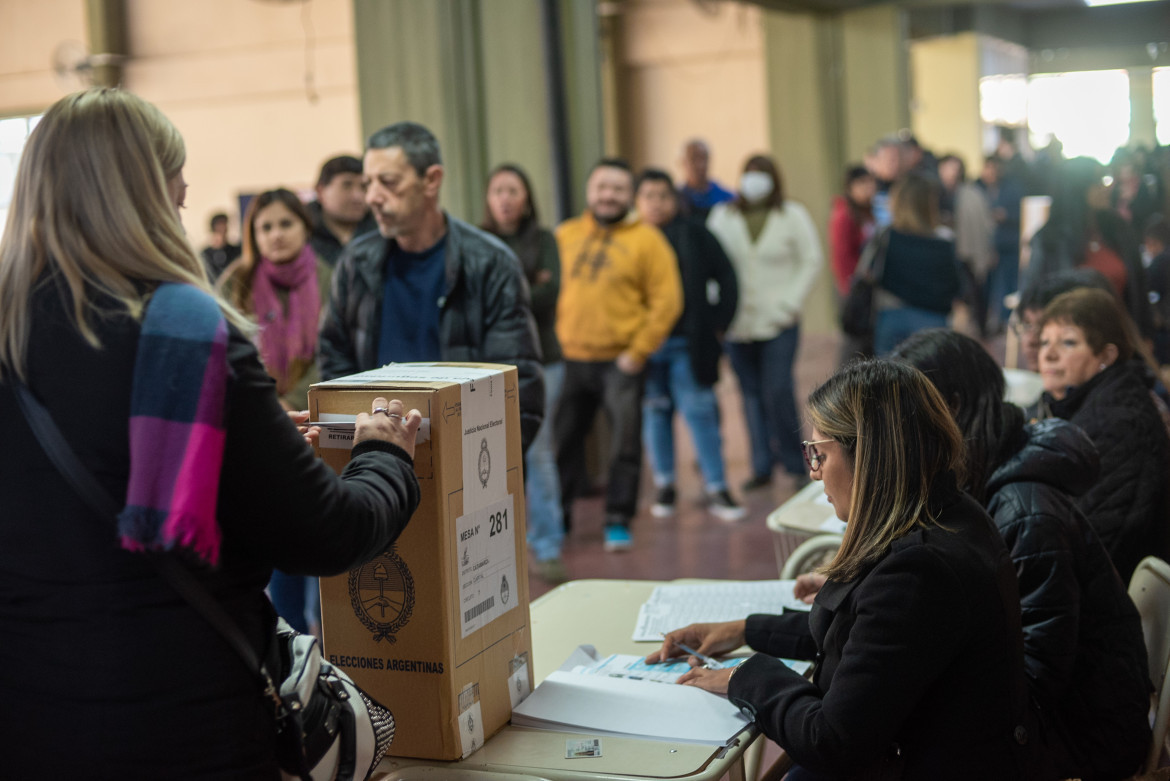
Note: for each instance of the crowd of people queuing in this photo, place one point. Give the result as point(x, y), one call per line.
point(974, 623)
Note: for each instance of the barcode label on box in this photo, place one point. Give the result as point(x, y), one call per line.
point(482, 607)
point(486, 558)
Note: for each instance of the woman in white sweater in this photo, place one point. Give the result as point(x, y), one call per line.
point(777, 255)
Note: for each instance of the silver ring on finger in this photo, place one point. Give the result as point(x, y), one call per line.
point(381, 410)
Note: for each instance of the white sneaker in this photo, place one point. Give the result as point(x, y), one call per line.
point(723, 507)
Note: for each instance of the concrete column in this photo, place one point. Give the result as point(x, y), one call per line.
point(1142, 127)
point(473, 72)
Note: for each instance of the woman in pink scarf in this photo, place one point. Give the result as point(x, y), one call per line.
point(279, 282)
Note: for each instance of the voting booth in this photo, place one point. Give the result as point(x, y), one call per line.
point(437, 627)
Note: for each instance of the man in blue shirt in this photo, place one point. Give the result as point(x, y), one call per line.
point(699, 194)
point(426, 286)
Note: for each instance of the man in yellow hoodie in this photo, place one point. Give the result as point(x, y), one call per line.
point(620, 297)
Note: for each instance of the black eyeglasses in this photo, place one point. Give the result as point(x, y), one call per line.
point(811, 456)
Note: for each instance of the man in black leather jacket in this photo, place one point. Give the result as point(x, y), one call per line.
point(427, 286)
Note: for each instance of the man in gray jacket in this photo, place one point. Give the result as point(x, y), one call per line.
point(426, 286)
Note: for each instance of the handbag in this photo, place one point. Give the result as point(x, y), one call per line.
point(857, 311)
point(326, 726)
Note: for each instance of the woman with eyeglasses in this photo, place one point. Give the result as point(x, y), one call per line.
point(1083, 647)
point(916, 634)
point(1093, 376)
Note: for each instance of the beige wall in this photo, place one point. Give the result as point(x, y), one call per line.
point(31, 33)
point(686, 72)
point(231, 76)
point(945, 76)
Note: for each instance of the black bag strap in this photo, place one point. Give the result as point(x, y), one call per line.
point(100, 501)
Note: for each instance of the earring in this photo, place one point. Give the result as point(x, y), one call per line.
point(1103, 367)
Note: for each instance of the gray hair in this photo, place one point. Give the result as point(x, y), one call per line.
point(416, 142)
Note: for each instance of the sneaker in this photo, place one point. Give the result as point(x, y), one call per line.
point(552, 571)
point(663, 506)
point(617, 538)
point(723, 507)
point(757, 481)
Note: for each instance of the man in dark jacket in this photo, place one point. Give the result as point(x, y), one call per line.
point(684, 370)
point(340, 213)
point(427, 286)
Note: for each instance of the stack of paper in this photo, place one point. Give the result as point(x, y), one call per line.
point(677, 605)
point(622, 695)
point(601, 705)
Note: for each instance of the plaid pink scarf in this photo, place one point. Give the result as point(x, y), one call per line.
point(177, 425)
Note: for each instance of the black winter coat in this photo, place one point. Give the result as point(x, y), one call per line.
point(701, 262)
point(919, 663)
point(1083, 647)
point(105, 672)
point(1128, 505)
point(484, 314)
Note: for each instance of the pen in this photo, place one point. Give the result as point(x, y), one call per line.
point(707, 661)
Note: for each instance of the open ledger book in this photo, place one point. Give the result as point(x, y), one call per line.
point(620, 695)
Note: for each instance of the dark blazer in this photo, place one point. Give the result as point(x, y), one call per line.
point(105, 672)
point(1128, 505)
point(701, 262)
point(484, 314)
point(919, 669)
point(1083, 647)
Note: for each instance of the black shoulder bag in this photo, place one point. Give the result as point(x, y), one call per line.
point(857, 310)
point(326, 727)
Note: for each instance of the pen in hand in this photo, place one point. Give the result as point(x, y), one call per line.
point(707, 661)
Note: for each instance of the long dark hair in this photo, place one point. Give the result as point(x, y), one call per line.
point(241, 282)
point(529, 218)
point(972, 385)
point(767, 165)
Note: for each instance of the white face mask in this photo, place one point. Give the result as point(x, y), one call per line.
point(755, 186)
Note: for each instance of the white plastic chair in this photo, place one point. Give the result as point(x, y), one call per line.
point(1149, 588)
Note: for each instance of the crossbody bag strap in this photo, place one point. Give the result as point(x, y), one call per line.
point(99, 500)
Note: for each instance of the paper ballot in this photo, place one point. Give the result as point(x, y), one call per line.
point(677, 605)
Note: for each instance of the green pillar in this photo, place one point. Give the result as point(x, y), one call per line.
point(473, 71)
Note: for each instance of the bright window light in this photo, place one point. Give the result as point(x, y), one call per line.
point(1088, 111)
point(1003, 100)
point(1162, 105)
point(13, 135)
point(1095, 3)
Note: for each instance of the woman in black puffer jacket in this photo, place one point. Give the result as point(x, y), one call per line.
point(1084, 652)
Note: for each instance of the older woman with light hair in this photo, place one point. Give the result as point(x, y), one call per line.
point(108, 322)
point(1094, 376)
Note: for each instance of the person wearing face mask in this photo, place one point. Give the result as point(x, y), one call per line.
point(773, 245)
point(620, 297)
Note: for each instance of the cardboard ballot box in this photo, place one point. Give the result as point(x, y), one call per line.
point(437, 627)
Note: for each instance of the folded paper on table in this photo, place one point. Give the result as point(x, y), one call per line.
point(600, 705)
point(674, 606)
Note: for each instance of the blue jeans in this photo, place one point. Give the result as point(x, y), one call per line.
point(894, 325)
point(296, 599)
point(670, 385)
point(769, 400)
point(1002, 280)
point(546, 528)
